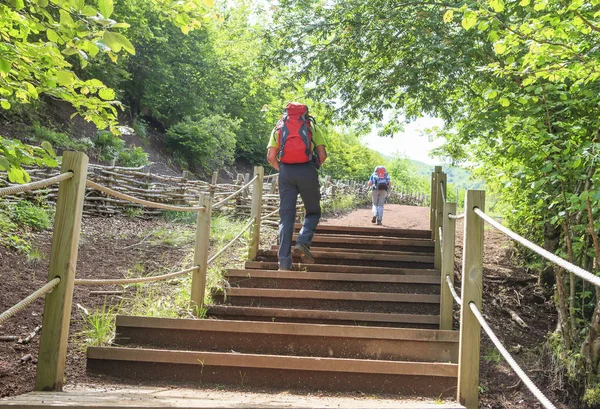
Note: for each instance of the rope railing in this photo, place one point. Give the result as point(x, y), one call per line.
point(270, 214)
point(143, 202)
point(234, 194)
point(21, 305)
point(578, 271)
point(246, 227)
point(270, 176)
point(453, 291)
point(123, 281)
point(14, 189)
point(513, 364)
point(457, 216)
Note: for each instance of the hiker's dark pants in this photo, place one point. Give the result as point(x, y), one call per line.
point(299, 178)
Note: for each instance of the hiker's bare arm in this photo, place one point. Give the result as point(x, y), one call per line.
point(272, 157)
point(322, 154)
point(370, 183)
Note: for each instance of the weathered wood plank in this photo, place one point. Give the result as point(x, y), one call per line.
point(470, 331)
point(63, 264)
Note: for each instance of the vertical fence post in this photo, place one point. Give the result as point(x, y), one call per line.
point(440, 179)
point(447, 269)
point(63, 263)
point(256, 211)
point(432, 203)
point(470, 331)
point(201, 251)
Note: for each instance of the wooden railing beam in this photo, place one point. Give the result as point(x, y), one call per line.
point(447, 269)
point(256, 211)
point(201, 252)
point(470, 330)
point(63, 264)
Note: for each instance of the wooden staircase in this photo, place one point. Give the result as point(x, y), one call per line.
point(362, 318)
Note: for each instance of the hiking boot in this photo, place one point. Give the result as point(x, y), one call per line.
point(374, 219)
point(379, 223)
point(307, 256)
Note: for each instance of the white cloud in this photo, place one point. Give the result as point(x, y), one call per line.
point(409, 143)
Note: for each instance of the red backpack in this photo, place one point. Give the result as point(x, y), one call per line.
point(294, 131)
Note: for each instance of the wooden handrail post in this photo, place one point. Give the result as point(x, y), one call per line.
point(438, 217)
point(201, 252)
point(433, 201)
point(470, 331)
point(447, 269)
point(63, 264)
point(256, 211)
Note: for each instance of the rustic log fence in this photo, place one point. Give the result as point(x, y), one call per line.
point(184, 191)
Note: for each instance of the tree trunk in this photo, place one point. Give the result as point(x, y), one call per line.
point(551, 244)
point(562, 308)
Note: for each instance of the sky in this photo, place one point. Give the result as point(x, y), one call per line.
point(409, 143)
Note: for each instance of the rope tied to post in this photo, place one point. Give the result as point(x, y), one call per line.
point(509, 359)
point(123, 281)
point(14, 189)
point(21, 305)
point(453, 291)
point(578, 271)
point(234, 194)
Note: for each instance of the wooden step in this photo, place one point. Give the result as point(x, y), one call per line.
point(381, 231)
point(331, 300)
point(147, 397)
point(372, 243)
point(303, 280)
point(332, 268)
point(359, 318)
point(338, 374)
point(329, 250)
point(378, 260)
point(333, 341)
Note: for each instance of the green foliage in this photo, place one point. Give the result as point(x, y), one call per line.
point(28, 214)
point(60, 139)
point(99, 326)
point(14, 154)
point(179, 217)
point(207, 143)
point(493, 355)
point(340, 203)
point(109, 145)
point(140, 127)
point(133, 212)
point(42, 44)
point(591, 396)
point(133, 157)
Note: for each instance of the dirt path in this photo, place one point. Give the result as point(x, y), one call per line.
point(396, 216)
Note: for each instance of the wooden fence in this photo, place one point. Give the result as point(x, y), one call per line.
point(185, 191)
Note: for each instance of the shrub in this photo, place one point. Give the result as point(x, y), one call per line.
point(140, 128)
point(61, 140)
point(28, 214)
point(109, 145)
point(205, 144)
point(132, 157)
